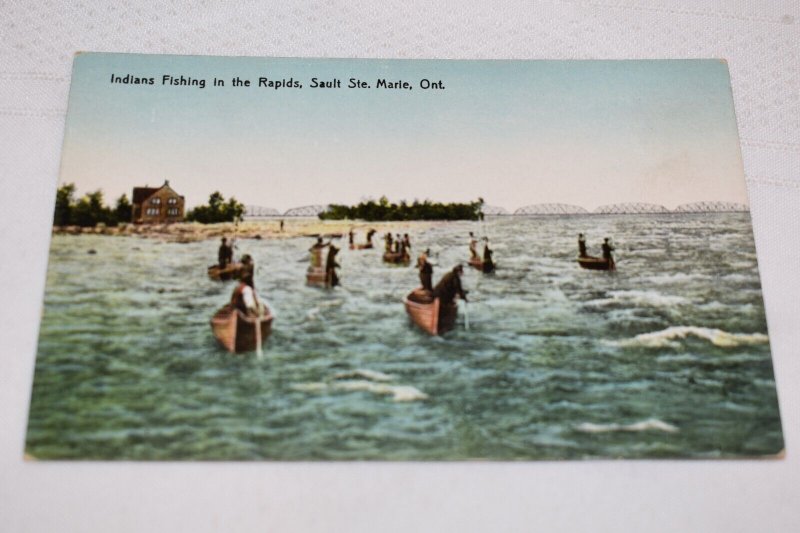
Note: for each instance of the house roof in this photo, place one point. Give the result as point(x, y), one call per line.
point(141, 194)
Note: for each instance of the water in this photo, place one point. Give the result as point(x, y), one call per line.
point(668, 357)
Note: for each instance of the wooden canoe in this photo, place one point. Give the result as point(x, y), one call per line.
point(237, 332)
point(316, 276)
point(367, 246)
point(396, 258)
point(431, 317)
point(232, 271)
point(596, 263)
point(477, 263)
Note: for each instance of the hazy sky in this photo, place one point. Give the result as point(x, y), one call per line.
point(513, 132)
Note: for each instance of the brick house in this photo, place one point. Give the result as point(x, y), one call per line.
point(157, 205)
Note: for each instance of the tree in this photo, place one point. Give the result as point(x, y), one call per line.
point(217, 210)
point(64, 200)
point(384, 210)
point(89, 211)
point(123, 211)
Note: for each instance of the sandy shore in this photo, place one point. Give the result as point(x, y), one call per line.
point(185, 232)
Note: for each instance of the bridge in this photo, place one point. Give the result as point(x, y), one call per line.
point(630, 209)
point(493, 210)
point(551, 209)
point(712, 207)
point(253, 211)
point(306, 211)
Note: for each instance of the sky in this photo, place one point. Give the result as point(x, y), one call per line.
point(515, 133)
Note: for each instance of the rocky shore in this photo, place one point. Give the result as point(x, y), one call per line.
point(185, 232)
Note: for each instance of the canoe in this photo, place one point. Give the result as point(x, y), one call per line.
point(396, 258)
point(232, 271)
point(486, 268)
point(596, 263)
point(317, 277)
point(367, 246)
point(237, 332)
point(431, 317)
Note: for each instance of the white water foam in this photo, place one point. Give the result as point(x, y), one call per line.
point(372, 375)
point(371, 381)
point(645, 298)
point(400, 393)
point(651, 424)
point(717, 337)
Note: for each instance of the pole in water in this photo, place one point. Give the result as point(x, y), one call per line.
point(258, 336)
point(466, 315)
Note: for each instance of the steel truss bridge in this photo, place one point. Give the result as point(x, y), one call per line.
point(544, 209)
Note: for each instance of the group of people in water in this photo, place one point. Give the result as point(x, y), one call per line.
point(244, 297)
point(448, 288)
point(398, 245)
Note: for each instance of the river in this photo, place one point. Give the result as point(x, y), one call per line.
point(667, 357)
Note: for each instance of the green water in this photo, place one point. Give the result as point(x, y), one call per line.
point(668, 357)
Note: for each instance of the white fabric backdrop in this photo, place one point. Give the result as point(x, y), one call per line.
point(760, 40)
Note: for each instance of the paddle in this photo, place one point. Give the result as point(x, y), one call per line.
point(466, 315)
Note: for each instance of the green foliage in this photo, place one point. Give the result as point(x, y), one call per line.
point(87, 211)
point(123, 212)
point(64, 201)
point(386, 211)
point(217, 210)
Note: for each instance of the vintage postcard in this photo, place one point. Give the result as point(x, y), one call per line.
point(320, 259)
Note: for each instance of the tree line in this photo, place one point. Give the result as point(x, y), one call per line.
point(90, 209)
point(383, 210)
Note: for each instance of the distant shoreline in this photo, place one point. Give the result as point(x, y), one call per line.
point(186, 232)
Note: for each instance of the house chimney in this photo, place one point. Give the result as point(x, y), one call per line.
point(166, 183)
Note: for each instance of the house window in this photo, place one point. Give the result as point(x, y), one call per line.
point(155, 201)
point(153, 211)
point(172, 211)
point(172, 201)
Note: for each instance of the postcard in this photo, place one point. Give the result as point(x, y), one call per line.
point(350, 259)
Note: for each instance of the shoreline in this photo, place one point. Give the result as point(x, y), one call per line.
point(187, 232)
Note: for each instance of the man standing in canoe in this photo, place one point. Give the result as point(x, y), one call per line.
point(244, 296)
point(330, 267)
point(607, 249)
point(225, 254)
point(450, 286)
point(425, 271)
point(488, 262)
point(581, 245)
point(388, 239)
point(473, 246)
point(316, 253)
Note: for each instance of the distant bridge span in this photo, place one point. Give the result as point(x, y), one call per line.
point(630, 209)
point(551, 209)
point(306, 211)
point(711, 207)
